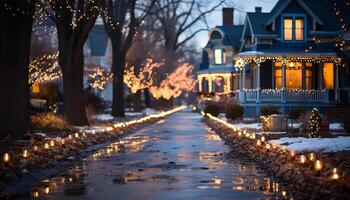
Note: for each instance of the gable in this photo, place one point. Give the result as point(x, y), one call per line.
point(294, 6)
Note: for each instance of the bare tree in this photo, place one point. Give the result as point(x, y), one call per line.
point(121, 19)
point(179, 20)
point(16, 18)
point(74, 20)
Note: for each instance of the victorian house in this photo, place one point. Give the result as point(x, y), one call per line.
point(294, 56)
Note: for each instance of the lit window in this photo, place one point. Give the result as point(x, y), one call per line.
point(293, 29)
point(224, 57)
point(328, 75)
point(218, 56)
point(288, 29)
point(299, 29)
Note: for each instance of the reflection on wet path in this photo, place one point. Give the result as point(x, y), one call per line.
point(178, 158)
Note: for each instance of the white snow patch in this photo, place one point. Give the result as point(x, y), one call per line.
point(270, 133)
point(133, 114)
point(104, 117)
point(336, 126)
point(301, 144)
point(294, 125)
point(41, 134)
point(251, 126)
point(149, 111)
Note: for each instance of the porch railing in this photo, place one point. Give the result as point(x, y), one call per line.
point(283, 95)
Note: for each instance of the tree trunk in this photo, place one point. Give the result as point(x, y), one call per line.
point(15, 36)
point(137, 101)
point(118, 65)
point(73, 72)
point(147, 98)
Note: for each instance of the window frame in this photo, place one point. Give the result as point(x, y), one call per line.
point(294, 17)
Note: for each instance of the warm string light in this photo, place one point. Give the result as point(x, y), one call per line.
point(44, 69)
point(176, 83)
point(314, 122)
point(46, 146)
point(241, 62)
point(145, 78)
point(318, 165)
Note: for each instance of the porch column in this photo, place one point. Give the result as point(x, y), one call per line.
point(336, 83)
point(303, 78)
point(320, 76)
point(200, 82)
point(258, 84)
point(243, 78)
point(210, 84)
point(228, 82)
point(284, 78)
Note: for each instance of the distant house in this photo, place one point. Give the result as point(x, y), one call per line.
point(293, 56)
point(217, 74)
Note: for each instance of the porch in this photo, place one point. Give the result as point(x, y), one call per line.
point(289, 79)
point(284, 96)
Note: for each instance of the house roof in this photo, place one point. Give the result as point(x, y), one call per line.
point(256, 23)
point(231, 37)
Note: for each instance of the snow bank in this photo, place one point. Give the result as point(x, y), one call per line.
point(251, 126)
point(104, 117)
point(301, 144)
point(270, 133)
point(336, 126)
point(149, 111)
point(133, 114)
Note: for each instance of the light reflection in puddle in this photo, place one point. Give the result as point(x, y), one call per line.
point(212, 137)
point(211, 157)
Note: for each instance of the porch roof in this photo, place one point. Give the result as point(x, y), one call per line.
point(213, 70)
point(251, 54)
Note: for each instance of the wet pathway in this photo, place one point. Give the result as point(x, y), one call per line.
point(177, 158)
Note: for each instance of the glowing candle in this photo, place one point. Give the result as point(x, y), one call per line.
point(302, 159)
point(284, 193)
point(292, 154)
point(70, 137)
point(318, 165)
point(93, 132)
point(6, 158)
point(35, 148)
point(77, 135)
point(239, 133)
point(47, 190)
point(84, 134)
point(268, 146)
point(258, 143)
point(46, 146)
point(62, 141)
point(52, 143)
point(312, 156)
point(25, 154)
point(263, 139)
point(335, 175)
point(253, 136)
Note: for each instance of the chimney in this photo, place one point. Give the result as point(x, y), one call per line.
point(258, 9)
point(227, 16)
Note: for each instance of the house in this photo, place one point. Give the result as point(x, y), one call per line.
point(294, 56)
point(217, 74)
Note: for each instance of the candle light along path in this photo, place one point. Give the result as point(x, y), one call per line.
point(318, 164)
point(53, 143)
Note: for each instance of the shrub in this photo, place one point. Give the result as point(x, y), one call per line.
point(315, 122)
point(48, 122)
point(234, 111)
point(296, 113)
point(93, 101)
point(266, 111)
point(212, 109)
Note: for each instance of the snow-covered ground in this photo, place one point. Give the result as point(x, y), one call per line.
point(104, 117)
point(301, 144)
point(257, 126)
